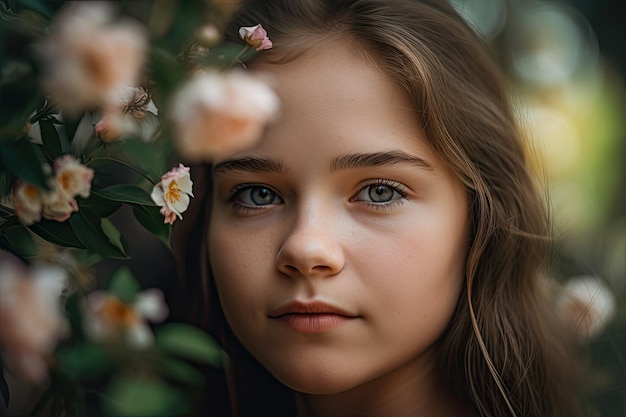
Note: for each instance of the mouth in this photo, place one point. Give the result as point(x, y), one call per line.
point(311, 317)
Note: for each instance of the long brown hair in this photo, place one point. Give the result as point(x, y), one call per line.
point(503, 351)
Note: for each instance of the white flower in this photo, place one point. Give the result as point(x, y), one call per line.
point(90, 53)
point(216, 114)
point(58, 203)
point(588, 304)
point(108, 318)
point(172, 193)
point(73, 177)
point(31, 317)
point(27, 201)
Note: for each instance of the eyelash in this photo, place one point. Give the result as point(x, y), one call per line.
point(237, 191)
point(397, 187)
point(394, 185)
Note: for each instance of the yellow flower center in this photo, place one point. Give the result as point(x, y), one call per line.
point(117, 314)
point(31, 192)
point(172, 195)
point(65, 180)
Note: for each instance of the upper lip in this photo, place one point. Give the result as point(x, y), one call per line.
point(308, 307)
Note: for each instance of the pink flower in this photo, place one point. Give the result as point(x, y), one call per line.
point(89, 54)
point(108, 318)
point(216, 114)
point(172, 193)
point(256, 37)
point(31, 315)
point(27, 201)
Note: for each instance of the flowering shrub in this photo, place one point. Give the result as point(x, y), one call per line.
point(95, 106)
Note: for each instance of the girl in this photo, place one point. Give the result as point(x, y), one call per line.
point(379, 252)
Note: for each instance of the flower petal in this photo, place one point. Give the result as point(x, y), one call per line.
point(140, 336)
point(150, 304)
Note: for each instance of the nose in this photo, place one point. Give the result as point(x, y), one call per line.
point(312, 247)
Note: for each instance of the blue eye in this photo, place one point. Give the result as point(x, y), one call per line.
point(380, 192)
point(255, 196)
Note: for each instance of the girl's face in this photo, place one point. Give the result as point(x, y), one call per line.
point(338, 243)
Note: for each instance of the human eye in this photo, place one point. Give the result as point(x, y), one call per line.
point(246, 197)
point(381, 194)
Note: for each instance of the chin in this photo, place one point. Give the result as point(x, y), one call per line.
point(320, 380)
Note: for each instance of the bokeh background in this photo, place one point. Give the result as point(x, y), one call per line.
point(566, 61)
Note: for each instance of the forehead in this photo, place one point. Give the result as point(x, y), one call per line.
point(333, 95)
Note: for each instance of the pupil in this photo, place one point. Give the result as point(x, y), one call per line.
point(381, 193)
point(262, 196)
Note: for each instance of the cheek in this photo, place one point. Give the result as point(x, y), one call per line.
point(241, 266)
point(414, 272)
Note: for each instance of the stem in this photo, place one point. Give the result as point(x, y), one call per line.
point(91, 149)
point(239, 55)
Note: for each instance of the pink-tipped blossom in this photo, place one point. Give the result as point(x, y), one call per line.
point(172, 193)
point(587, 304)
point(73, 178)
point(256, 37)
point(90, 53)
point(108, 318)
point(58, 205)
point(27, 202)
point(217, 114)
point(31, 316)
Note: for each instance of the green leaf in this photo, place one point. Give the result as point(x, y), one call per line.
point(127, 193)
point(5, 184)
point(135, 396)
point(37, 6)
point(152, 220)
point(25, 160)
point(4, 387)
point(52, 145)
point(86, 360)
point(124, 285)
point(144, 157)
point(61, 234)
point(165, 69)
point(92, 235)
point(188, 342)
point(6, 212)
point(20, 240)
point(180, 371)
point(98, 206)
point(113, 234)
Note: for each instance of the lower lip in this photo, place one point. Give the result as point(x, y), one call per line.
point(313, 323)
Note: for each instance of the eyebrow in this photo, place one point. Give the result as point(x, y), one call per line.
point(342, 162)
point(251, 164)
point(377, 159)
